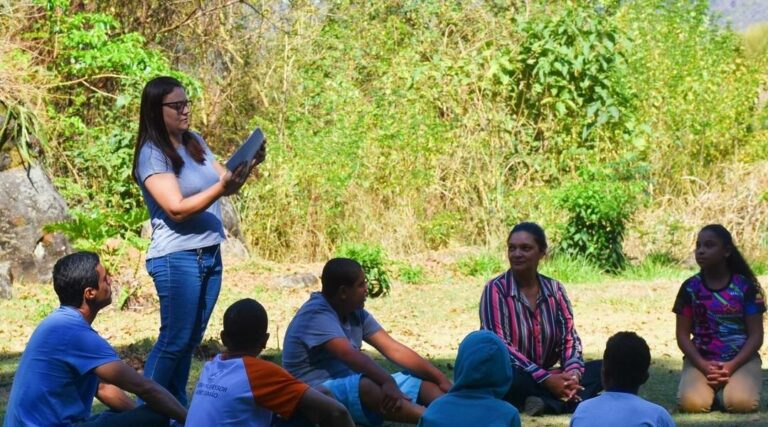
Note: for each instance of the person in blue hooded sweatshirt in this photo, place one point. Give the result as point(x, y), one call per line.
point(483, 376)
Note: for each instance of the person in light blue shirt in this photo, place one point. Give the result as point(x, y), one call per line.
point(66, 363)
point(181, 183)
point(625, 368)
point(482, 377)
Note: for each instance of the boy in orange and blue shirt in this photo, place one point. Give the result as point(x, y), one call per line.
point(237, 388)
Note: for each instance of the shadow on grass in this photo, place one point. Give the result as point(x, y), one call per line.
point(661, 387)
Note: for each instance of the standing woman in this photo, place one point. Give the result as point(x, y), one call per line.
point(722, 308)
point(181, 183)
point(531, 313)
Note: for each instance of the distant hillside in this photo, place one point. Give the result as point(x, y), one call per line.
point(741, 13)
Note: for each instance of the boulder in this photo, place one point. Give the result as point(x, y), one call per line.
point(297, 280)
point(30, 202)
point(6, 279)
point(230, 218)
point(233, 251)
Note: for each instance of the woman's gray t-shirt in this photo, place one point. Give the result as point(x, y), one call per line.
point(198, 231)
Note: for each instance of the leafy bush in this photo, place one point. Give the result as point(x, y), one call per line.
point(483, 264)
point(698, 89)
point(103, 71)
point(373, 260)
point(599, 205)
point(568, 80)
point(412, 274)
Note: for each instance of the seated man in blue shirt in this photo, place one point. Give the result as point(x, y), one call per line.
point(66, 363)
point(322, 347)
point(625, 368)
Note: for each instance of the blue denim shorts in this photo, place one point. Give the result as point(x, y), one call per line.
point(347, 391)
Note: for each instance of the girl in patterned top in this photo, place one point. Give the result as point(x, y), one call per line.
point(531, 313)
point(720, 327)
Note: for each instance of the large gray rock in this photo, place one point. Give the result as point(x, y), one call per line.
point(297, 280)
point(230, 218)
point(5, 279)
point(30, 202)
point(233, 251)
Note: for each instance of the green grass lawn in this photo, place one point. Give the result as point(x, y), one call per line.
point(432, 318)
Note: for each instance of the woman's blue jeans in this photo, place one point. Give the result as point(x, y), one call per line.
point(188, 284)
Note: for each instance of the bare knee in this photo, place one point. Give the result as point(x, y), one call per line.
point(428, 392)
point(370, 394)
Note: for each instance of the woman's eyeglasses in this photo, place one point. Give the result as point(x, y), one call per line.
point(178, 106)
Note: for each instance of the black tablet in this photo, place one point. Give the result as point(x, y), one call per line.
point(247, 151)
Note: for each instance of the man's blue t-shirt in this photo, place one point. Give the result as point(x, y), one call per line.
point(315, 324)
point(54, 384)
point(201, 230)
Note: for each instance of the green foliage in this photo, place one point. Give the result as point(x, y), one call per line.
point(599, 205)
point(568, 80)
point(698, 90)
point(417, 124)
point(484, 264)
point(412, 274)
point(374, 263)
point(92, 118)
point(439, 230)
point(571, 269)
point(756, 40)
point(22, 91)
point(20, 126)
point(654, 266)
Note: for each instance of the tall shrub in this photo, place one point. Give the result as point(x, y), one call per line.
point(599, 205)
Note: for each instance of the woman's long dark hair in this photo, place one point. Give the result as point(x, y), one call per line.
point(735, 261)
point(152, 126)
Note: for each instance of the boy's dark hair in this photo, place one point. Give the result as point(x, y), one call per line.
point(339, 272)
point(534, 230)
point(72, 274)
point(245, 324)
point(626, 360)
point(735, 261)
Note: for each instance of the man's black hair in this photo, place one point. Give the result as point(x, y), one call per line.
point(245, 324)
point(72, 274)
point(626, 360)
point(339, 272)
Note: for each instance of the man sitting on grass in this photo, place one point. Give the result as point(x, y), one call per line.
point(625, 368)
point(66, 363)
point(322, 347)
point(237, 388)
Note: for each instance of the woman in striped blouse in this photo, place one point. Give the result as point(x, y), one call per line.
point(532, 315)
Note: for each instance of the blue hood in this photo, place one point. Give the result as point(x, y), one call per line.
point(483, 365)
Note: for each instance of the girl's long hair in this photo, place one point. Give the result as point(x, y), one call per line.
point(152, 126)
point(735, 261)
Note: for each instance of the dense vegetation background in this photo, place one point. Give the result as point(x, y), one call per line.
point(410, 125)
